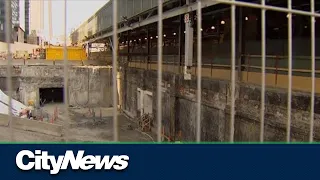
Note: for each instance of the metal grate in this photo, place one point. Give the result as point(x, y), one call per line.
point(160, 17)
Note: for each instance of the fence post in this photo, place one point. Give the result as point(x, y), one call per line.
point(276, 71)
point(248, 66)
point(100, 114)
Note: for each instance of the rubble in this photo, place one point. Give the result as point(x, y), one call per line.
point(20, 110)
point(16, 106)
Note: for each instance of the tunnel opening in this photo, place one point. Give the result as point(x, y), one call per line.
point(51, 95)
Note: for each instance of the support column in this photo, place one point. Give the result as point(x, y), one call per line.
point(128, 45)
point(124, 85)
point(180, 51)
point(119, 85)
point(173, 108)
point(188, 18)
point(241, 42)
point(148, 46)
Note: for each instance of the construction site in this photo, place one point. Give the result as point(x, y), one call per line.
point(148, 70)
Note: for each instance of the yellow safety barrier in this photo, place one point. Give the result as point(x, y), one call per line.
point(74, 53)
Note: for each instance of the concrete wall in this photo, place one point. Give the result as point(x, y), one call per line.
point(179, 108)
point(18, 46)
point(33, 126)
point(16, 71)
point(88, 85)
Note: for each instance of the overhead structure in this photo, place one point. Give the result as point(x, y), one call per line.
point(101, 22)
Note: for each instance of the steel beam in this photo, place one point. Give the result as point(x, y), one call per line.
point(166, 15)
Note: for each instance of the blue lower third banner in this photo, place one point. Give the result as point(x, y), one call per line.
point(159, 161)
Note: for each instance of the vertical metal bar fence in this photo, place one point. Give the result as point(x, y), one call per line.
point(263, 69)
point(66, 75)
point(199, 71)
point(114, 71)
point(199, 5)
point(159, 83)
point(8, 29)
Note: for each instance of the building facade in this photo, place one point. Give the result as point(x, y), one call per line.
point(36, 15)
point(2, 20)
point(14, 19)
point(15, 12)
point(27, 19)
point(36, 18)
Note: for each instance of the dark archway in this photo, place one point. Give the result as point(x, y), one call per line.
point(51, 95)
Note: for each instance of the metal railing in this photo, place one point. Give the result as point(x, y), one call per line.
point(200, 4)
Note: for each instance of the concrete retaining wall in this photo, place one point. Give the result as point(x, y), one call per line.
point(89, 86)
point(179, 108)
point(31, 125)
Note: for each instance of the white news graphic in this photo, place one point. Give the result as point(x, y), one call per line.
point(40, 160)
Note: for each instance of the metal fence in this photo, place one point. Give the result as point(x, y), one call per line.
point(234, 4)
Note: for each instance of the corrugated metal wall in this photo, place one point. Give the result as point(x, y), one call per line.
point(103, 18)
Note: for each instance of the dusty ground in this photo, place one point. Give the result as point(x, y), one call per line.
point(83, 127)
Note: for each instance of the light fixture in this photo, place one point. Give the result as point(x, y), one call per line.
point(223, 22)
point(130, 40)
point(139, 39)
point(247, 18)
point(212, 27)
point(145, 38)
point(164, 35)
point(157, 37)
point(184, 31)
point(306, 27)
point(151, 37)
point(287, 15)
point(135, 40)
point(201, 29)
point(174, 34)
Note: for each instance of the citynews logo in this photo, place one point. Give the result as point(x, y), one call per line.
point(40, 160)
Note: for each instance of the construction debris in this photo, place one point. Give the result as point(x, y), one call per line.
point(20, 110)
point(145, 123)
point(16, 106)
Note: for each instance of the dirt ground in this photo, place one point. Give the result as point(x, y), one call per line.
point(83, 127)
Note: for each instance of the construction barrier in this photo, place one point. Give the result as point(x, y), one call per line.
point(57, 53)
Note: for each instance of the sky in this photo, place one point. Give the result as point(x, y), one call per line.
point(78, 11)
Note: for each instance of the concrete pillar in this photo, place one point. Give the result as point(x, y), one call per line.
point(173, 108)
point(241, 41)
point(37, 101)
point(180, 40)
point(188, 44)
point(119, 80)
point(141, 102)
point(124, 87)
